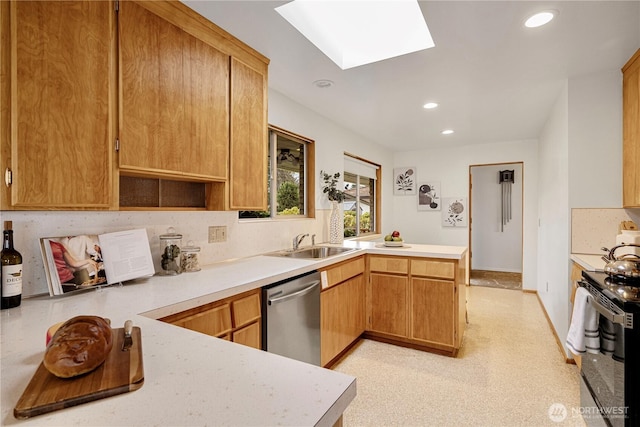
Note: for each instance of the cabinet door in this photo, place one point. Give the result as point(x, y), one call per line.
point(215, 321)
point(342, 317)
point(631, 132)
point(433, 310)
point(249, 335)
point(389, 296)
point(175, 117)
point(246, 309)
point(248, 173)
point(62, 102)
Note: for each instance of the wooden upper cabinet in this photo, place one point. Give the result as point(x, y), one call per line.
point(249, 143)
point(174, 98)
point(631, 132)
point(59, 106)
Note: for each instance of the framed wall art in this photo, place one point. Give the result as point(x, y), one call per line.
point(404, 181)
point(429, 196)
point(455, 212)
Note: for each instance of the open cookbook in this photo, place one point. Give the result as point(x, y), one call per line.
point(85, 261)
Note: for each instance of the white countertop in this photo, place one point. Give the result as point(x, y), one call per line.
point(190, 378)
point(589, 262)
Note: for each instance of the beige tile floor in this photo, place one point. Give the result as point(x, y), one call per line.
point(509, 372)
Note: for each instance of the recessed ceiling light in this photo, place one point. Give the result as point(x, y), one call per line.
point(447, 132)
point(323, 83)
point(354, 33)
point(430, 105)
point(540, 19)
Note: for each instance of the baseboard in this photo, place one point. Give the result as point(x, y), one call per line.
point(553, 330)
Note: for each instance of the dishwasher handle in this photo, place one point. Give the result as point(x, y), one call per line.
point(295, 294)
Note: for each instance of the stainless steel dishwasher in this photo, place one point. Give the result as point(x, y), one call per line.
point(291, 318)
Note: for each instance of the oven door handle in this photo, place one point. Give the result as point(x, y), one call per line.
point(615, 318)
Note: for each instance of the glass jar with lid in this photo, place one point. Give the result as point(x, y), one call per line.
point(170, 259)
point(189, 261)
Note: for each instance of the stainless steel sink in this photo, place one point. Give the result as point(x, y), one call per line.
point(312, 252)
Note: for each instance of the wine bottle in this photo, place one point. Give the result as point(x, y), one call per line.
point(11, 276)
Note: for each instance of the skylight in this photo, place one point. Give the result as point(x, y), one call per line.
point(358, 32)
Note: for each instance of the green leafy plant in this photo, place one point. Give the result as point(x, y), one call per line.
point(330, 187)
point(288, 196)
point(291, 211)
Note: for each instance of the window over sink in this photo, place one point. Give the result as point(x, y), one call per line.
point(290, 177)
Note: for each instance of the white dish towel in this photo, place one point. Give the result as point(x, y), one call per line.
point(583, 336)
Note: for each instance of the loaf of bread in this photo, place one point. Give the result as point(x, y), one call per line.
point(79, 346)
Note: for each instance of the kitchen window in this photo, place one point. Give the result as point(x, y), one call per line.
point(362, 197)
point(290, 171)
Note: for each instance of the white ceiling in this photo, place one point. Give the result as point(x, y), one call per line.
point(494, 79)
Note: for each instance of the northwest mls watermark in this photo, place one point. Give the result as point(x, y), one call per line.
point(558, 412)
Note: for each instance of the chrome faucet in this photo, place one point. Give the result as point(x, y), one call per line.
point(297, 240)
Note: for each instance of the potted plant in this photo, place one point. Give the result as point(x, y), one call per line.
point(335, 196)
point(330, 187)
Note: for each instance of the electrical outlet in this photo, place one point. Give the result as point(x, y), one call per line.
point(217, 233)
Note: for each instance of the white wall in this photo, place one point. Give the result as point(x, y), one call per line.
point(580, 167)
point(450, 166)
point(244, 238)
point(595, 140)
point(553, 235)
point(494, 246)
point(331, 142)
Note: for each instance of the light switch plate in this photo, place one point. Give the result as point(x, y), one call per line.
point(217, 233)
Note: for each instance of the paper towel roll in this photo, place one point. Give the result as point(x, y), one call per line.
point(628, 236)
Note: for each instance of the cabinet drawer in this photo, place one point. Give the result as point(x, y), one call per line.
point(392, 264)
point(215, 321)
point(249, 336)
point(246, 310)
point(344, 271)
point(430, 268)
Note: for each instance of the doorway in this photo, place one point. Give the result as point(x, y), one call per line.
point(495, 226)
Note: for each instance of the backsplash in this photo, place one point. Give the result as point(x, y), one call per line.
point(592, 229)
point(244, 238)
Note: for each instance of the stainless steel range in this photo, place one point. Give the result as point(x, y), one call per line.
point(610, 386)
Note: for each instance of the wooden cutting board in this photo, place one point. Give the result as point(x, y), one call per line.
point(121, 372)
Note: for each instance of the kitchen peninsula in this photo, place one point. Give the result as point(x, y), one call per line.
point(191, 378)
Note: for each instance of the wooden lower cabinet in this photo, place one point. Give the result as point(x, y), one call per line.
point(236, 319)
point(342, 317)
point(417, 302)
point(342, 308)
point(249, 335)
point(411, 301)
point(215, 321)
point(389, 297)
point(432, 311)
